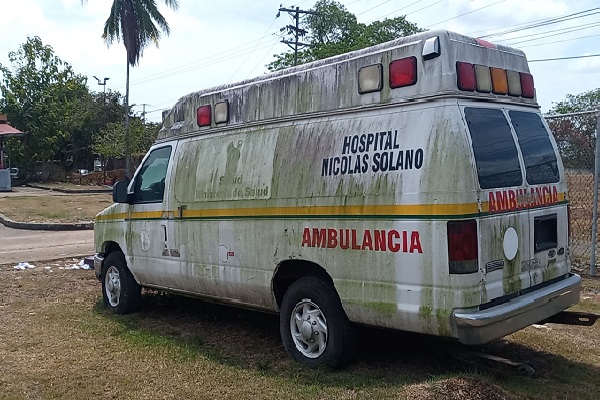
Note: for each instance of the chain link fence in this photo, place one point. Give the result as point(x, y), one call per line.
point(575, 136)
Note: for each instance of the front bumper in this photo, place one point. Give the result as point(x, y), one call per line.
point(98, 260)
point(477, 327)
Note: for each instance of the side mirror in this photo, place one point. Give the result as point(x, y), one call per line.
point(120, 192)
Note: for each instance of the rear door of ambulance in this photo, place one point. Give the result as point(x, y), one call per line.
point(546, 197)
point(522, 229)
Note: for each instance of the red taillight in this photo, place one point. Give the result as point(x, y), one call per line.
point(466, 76)
point(203, 115)
point(527, 85)
point(462, 247)
point(403, 72)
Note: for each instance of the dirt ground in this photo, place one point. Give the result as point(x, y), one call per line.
point(58, 342)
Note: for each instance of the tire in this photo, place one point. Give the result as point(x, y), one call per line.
point(314, 328)
point(120, 292)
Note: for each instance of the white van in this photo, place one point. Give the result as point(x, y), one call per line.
point(412, 185)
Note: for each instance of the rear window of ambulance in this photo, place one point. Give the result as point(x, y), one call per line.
point(541, 165)
point(496, 155)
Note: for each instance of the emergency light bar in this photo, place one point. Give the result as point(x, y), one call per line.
point(484, 79)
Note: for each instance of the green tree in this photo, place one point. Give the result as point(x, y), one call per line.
point(95, 115)
point(135, 21)
point(110, 141)
point(576, 135)
point(334, 30)
point(44, 97)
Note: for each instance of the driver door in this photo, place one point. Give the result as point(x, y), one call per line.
point(152, 257)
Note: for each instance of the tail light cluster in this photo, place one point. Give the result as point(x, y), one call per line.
point(462, 247)
point(481, 78)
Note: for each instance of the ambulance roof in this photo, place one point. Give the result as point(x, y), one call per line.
point(427, 65)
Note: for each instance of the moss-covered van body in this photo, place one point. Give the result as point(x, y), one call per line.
point(415, 179)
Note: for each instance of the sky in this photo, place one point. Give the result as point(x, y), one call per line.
point(217, 42)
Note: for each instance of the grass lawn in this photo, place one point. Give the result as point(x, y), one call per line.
point(58, 342)
point(54, 208)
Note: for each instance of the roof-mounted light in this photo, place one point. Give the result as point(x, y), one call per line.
point(483, 78)
point(527, 85)
point(221, 112)
point(370, 79)
point(465, 73)
point(203, 115)
point(403, 72)
point(431, 48)
point(494, 80)
point(514, 83)
point(499, 82)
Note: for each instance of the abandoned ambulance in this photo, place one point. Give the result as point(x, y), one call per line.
point(412, 185)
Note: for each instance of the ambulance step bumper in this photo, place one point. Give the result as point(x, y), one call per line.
point(98, 260)
point(479, 327)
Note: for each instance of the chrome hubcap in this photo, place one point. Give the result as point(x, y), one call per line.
point(112, 283)
point(309, 329)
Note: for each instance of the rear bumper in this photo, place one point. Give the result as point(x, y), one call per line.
point(478, 327)
point(98, 260)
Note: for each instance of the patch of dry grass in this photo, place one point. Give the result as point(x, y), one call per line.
point(58, 342)
point(54, 208)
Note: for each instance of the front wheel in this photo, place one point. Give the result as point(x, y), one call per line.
point(120, 292)
point(314, 327)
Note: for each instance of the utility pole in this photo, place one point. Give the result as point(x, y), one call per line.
point(144, 112)
point(102, 82)
point(295, 29)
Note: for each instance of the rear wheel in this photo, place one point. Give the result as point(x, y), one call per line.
point(120, 292)
point(314, 327)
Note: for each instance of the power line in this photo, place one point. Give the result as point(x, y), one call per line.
point(424, 8)
point(538, 23)
point(564, 58)
point(405, 7)
point(558, 41)
point(545, 34)
point(254, 49)
point(261, 60)
point(372, 8)
point(193, 66)
point(470, 12)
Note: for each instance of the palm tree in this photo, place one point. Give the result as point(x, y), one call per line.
point(135, 21)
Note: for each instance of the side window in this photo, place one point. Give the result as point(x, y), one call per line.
point(541, 165)
point(149, 186)
point(496, 155)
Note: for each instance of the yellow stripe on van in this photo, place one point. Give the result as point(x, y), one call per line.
point(107, 217)
point(136, 215)
point(323, 211)
point(424, 211)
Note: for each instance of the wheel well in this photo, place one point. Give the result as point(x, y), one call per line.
point(109, 247)
point(290, 271)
